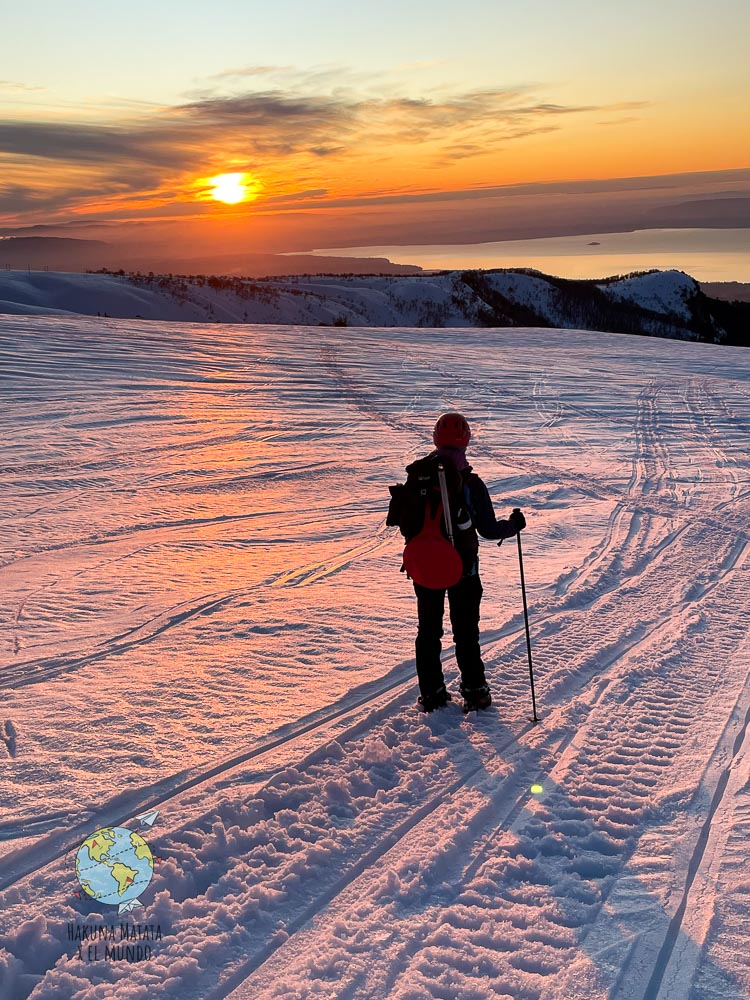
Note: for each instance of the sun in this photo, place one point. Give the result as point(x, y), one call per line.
point(233, 188)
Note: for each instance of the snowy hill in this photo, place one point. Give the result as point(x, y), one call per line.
point(61, 293)
point(668, 293)
point(203, 616)
point(660, 303)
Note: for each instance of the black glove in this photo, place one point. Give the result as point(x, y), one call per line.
point(517, 521)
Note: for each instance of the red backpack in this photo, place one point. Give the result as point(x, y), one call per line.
point(429, 558)
point(417, 507)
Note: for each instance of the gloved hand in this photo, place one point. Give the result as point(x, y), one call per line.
point(516, 520)
point(515, 523)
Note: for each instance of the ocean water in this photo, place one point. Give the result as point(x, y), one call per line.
point(706, 254)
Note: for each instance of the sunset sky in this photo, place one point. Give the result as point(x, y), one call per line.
point(408, 121)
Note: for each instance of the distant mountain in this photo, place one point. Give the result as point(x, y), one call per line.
point(730, 291)
point(653, 303)
point(62, 254)
point(260, 265)
point(53, 252)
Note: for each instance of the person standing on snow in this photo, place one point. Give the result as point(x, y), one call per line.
point(471, 514)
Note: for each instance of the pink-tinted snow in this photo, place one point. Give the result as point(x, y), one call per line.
point(202, 614)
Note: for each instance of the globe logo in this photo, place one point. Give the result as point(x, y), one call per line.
point(113, 866)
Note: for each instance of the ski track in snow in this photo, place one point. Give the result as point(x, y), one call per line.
point(358, 849)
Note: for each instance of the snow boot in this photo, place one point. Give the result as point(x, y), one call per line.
point(476, 698)
point(429, 702)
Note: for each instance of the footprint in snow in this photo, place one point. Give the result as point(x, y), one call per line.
point(9, 736)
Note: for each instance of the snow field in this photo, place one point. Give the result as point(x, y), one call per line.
point(202, 592)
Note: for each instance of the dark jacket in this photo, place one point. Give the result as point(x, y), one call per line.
point(481, 510)
point(469, 496)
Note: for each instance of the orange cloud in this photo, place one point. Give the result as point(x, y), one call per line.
point(338, 159)
point(337, 141)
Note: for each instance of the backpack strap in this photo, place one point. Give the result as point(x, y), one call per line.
point(445, 503)
point(431, 523)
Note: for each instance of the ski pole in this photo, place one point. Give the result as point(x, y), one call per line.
point(526, 620)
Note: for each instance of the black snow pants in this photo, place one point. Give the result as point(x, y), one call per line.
point(463, 601)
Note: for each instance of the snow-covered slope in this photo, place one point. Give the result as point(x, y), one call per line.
point(667, 292)
point(26, 292)
point(665, 303)
point(203, 615)
point(529, 290)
